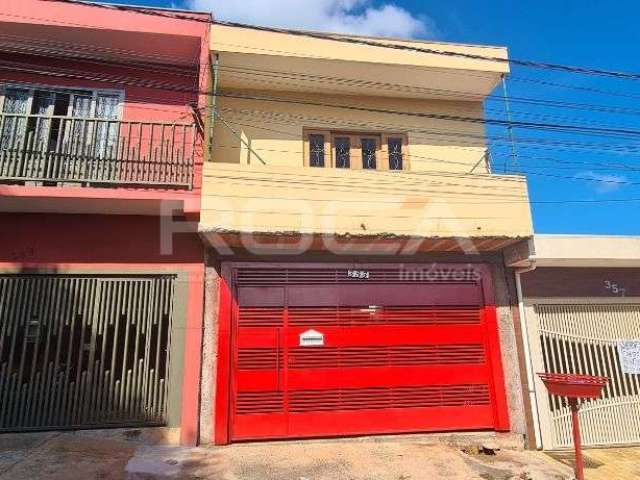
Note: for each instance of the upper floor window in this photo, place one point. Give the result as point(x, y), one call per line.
point(316, 150)
point(396, 152)
point(38, 118)
point(342, 152)
point(368, 151)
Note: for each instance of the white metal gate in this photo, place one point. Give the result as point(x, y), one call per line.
point(583, 338)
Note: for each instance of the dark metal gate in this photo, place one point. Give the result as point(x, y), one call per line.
point(79, 351)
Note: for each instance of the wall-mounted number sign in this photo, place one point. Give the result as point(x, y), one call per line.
point(358, 274)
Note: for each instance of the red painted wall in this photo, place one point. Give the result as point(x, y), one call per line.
point(118, 243)
point(118, 42)
point(91, 239)
point(178, 50)
point(141, 104)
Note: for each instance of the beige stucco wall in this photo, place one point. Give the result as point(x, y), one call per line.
point(254, 59)
point(587, 250)
point(274, 129)
point(257, 198)
point(273, 86)
point(248, 41)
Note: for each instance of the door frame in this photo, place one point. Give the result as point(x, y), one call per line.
point(227, 305)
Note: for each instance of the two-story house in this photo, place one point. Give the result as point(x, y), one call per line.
point(355, 234)
point(101, 280)
point(344, 228)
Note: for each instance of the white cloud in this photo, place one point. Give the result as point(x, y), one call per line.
point(359, 17)
point(604, 182)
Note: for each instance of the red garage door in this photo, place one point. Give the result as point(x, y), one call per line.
point(337, 351)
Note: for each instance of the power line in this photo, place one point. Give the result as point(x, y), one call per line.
point(438, 93)
point(375, 43)
point(601, 167)
point(10, 45)
point(160, 85)
point(471, 175)
point(453, 118)
point(615, 148)
point(394, 112)
point(582, 88)
point(442, 92)
point(435, 202)
point(474, 140)
point(296, 136)
point(397, 87)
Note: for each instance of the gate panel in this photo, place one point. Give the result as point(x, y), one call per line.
point(83, 351)
point(396, 356)
point(583, 338)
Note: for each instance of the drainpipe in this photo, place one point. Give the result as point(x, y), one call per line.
point(527, 351)
point(215, 59)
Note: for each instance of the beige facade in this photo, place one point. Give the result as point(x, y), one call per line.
point(275, 130)
point(277, 188)
point(276, 89)
point(278, 199)
point(452, 70)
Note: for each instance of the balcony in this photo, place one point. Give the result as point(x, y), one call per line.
point(318, 208)
point(57, 150)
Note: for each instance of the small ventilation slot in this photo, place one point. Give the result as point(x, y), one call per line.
point(338, 357)
point(319, 276)
point(259, 402)
point(260, 317)
point(259, 359)
point(363, 315)
point(395, 397)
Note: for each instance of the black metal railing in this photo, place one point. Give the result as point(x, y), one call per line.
point(96, 152)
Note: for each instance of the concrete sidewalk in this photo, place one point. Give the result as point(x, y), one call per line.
point(125, 455)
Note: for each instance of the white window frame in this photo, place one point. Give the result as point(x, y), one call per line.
point(94, 92)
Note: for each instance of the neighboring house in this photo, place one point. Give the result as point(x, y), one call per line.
point(580, 303)
point(355, 273)
point(100, 324)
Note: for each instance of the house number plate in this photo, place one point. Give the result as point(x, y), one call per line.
point(358, 274)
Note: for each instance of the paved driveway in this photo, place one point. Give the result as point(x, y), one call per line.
point(89, 456)
point(607, 463)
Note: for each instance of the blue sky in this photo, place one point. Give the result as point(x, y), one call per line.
point(586, 33)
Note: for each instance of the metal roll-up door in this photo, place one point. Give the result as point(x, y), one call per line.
point(81, 351)
point(318, 353)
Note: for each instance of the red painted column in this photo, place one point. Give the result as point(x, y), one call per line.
point(577, 441)
point(223, 377)
point(501, 406)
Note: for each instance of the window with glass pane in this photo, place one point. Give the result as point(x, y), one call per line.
point(39, 125)
point(342, 147)
point(107, 132)
point(395, 153)
point(369, 146)
point(14, 125)
point(316, 150)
